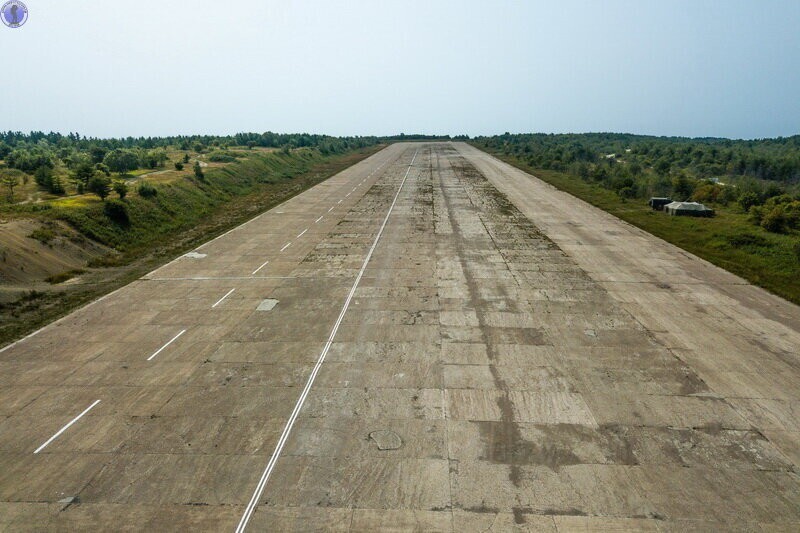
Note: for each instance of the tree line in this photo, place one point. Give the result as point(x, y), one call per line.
point(87, 162)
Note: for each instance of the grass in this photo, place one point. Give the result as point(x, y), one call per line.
point(728, 240)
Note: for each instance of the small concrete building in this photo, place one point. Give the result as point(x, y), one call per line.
point(688, 209)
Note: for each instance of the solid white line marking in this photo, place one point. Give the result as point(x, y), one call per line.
point(62, 430)
point(302, 233)
point(217, 278)
point(173, 339)
point(259, 268)
point(320, 218)
point(220, 300)
point(248, 512)
point(285, 246)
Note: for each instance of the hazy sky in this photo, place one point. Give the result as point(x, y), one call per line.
point(668, 67)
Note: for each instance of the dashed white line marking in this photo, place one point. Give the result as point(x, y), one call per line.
point(339, 202)
point(285, 246)
point(62, 430)
point(320, 218)
point(259, 268)
point(348, 194)
point(226, 295)
point(173, 339)
point(331, 209)
point(302, 233)
point(248, 512)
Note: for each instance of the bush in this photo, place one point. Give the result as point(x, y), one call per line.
point(43, 235)
point(796, 249)
point(221, 157)
point(627, 192)
point(748, 200)
point(198, 171)
point(121, 188)
point(146, 190)
point(178, 165)
point(774, 220)
point(117, 211)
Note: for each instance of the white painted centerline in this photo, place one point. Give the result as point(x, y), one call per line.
point(320, 218)
point(226, 295)
point(285, 246)
point(302, 233)
point(248, 512)
point(62, 430)
point(259, 268)
point(173, 339)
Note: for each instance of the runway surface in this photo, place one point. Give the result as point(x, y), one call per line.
point(430, 340)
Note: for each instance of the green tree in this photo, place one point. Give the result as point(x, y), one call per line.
point(121, 161)
point(198, 171)
point(682, 187)
point(121, 188)
point(83, 173)
point(10, 180)
point(100, 185)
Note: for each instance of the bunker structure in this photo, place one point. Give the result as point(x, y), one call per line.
point(688, 209)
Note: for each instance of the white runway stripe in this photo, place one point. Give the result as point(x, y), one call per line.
point(62, 430)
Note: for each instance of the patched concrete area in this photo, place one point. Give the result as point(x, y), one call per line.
point(507, 359)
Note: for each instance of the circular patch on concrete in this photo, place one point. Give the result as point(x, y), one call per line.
point(386, 439)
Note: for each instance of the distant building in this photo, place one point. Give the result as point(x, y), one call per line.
point(688, 209)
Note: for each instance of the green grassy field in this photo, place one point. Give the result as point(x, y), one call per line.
point(729, 240)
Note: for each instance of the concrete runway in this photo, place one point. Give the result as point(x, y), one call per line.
point(431, 340)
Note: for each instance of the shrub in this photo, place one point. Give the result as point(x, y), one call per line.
point(43, 235)
point(221, 157)
point(121, 188)
point(198, 171)
point(748, 200)
point(774, 220)
point(627, 192)
point(117, 211)
point(796, 249)
point(178, 165)
point(146, 190)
